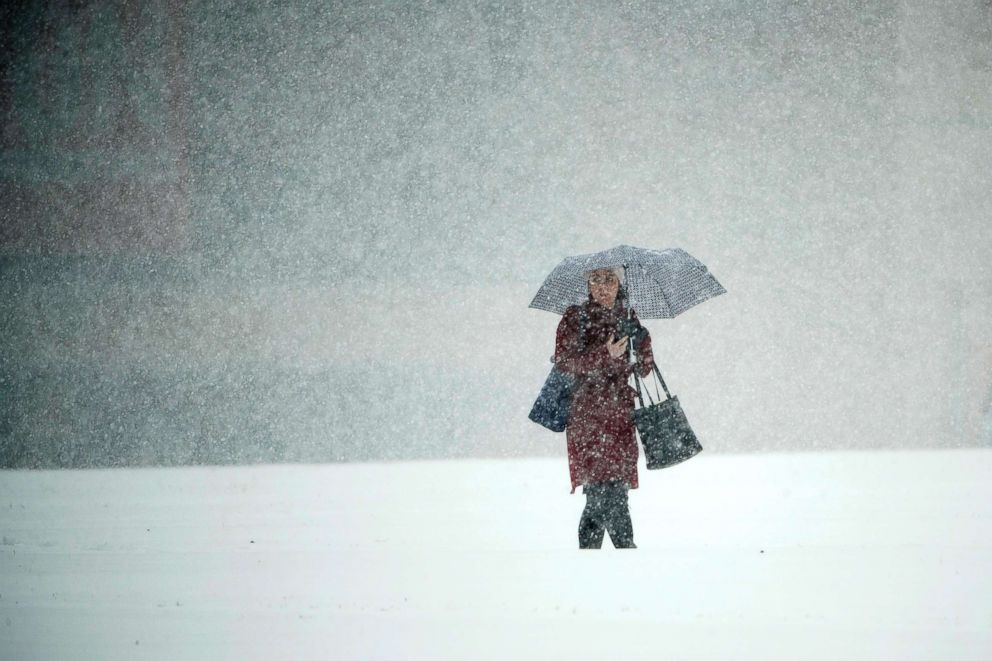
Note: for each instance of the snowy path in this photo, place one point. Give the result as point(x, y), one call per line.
point(884, 555)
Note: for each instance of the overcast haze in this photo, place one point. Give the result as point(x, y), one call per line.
point(242, 232)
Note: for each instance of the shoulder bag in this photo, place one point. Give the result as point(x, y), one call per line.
point(664, 430)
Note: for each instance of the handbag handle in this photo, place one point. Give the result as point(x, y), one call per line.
point(637, 382)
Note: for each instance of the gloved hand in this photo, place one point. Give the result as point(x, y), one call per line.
point(632, 328)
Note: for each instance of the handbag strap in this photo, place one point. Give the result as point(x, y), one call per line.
point(637, 382)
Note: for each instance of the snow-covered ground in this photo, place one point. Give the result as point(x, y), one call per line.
point(883, 555)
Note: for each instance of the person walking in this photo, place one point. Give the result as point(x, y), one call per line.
point(602, 448)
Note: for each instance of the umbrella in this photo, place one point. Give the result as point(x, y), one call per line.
point(660, 284)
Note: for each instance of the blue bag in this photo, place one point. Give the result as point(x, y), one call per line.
point(553, 404)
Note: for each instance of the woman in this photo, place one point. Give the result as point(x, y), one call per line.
point(602, 450)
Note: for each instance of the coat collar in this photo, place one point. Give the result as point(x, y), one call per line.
point(595, 309)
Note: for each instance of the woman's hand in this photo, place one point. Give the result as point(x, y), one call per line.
point(617, 348)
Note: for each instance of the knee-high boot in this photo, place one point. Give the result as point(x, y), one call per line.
point(617, 519)
point(591, 528)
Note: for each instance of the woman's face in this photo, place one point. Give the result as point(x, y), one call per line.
point(604, 285)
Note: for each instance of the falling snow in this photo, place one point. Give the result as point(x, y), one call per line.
point(268, 234)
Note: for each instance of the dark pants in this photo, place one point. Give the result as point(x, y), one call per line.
point(606, 511)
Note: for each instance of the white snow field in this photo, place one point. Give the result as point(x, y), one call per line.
point(847, 555)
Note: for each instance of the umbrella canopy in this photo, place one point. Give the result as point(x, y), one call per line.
point(660, 284)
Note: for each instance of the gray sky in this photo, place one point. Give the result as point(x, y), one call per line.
point(382, 187)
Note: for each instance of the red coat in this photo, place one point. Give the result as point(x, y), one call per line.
point(600, 430)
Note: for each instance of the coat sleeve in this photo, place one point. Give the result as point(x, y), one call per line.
point(645, 358)
point(569, 356)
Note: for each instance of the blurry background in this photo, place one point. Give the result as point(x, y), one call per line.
point(306, 231)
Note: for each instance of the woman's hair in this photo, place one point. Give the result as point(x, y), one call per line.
point(617, 271)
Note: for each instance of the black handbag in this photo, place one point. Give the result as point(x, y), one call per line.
point(554, 402)
point(664, 430)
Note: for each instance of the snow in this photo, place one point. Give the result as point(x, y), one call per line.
point(852, 555)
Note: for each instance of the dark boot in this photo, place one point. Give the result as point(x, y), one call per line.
point(617, 516)
point(591, 528)
point(591, 525)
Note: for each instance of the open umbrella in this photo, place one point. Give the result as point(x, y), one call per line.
point(660, 284)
